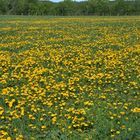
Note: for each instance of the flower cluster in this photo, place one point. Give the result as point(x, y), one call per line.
point(68, 77)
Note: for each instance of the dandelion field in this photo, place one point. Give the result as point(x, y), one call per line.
point(69, 78)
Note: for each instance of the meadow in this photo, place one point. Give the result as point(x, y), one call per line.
point(68, 78)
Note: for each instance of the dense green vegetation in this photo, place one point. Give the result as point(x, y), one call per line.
point(69, 7)
point(69, 78)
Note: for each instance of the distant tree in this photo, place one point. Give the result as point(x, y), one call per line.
point(102, 7)
point(120, 7)
point(70, 7)
point(99, 7)
point(137, 7)
point(66, 7)
point(3, 7)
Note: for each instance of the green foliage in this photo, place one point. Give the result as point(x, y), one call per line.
point(69, 7)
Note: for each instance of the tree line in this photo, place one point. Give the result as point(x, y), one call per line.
point(70, 8)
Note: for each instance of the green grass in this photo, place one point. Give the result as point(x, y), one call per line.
point(69, 78)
